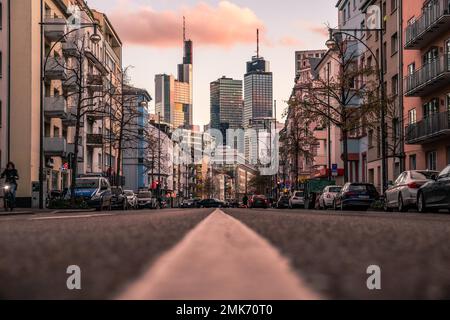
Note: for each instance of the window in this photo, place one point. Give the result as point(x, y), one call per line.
point(412, 162)
point(412, 116)
point(394, 5)
point(395, 85)
point(432, 160)
point(431, 108)
point(411, 68)
point(445, 173)
point(394, 43)
point(370, 138)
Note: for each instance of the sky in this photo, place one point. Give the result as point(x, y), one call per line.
point(224, 36)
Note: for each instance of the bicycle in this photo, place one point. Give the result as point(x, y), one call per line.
point(8, 198)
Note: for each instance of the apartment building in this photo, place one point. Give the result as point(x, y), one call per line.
point(426, 26)
point(47, 35)
point(386, 46)
point(4, 81)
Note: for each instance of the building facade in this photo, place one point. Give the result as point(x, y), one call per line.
point(136, 155)
point(29, 135)
point(426, 26)
point(226, 104)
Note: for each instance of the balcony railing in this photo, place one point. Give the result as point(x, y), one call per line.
point(94, 140)
point(56, 147)
point(431, 128)
point(55, 69)
point(431, 77)
point(54, 29)
point(55, 107)
point(434, 20)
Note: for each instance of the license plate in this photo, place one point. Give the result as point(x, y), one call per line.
point(364, 197)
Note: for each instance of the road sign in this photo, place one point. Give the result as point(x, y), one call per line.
point(334, 170)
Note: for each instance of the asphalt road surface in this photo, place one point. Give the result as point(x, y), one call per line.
point(231, 254)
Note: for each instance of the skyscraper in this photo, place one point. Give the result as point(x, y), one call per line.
point(226, 104)
point(174, 97)
point(258, 98)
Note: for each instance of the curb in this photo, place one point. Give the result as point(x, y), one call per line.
point(16, 213)
point(72, 211)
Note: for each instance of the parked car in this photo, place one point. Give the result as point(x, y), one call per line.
point(258, 201)
point(356, 195)
point(119, 199)
point(95, 191)
point(402, 194)
point(327, 197)
point(435, 195)
point(189, 203)
point(146, 200)
point(297, 200)
point(283, 202)
point(210, 203)
point(131, 199)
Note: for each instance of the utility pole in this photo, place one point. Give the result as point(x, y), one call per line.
point(329, 123)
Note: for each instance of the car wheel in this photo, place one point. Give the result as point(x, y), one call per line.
point(401, 205)
point(386, 206)
point(125, 206)
point(421, 206)
point(334, 205)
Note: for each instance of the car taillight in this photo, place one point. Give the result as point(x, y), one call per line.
point(413, 185)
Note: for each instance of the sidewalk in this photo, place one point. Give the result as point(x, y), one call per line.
point(28, 211)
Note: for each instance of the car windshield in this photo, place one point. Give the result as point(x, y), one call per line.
point(423, 175)
point(334, 189)
point(87, 184)
point(129, 193)
point(299, 194)
point(144, 195)
point(361, 188)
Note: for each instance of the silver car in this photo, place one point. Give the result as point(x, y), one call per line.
point(131, 198)
point(327, 197)
point(402, 194)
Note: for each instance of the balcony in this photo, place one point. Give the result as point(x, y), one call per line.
point(96, 61)
point(55, 147)
point(94, 140)
point(55, 69)
point(55, 107)
point(429, 129)
point(70, 49)
point(95, 82)
point(431, 77)
point(55, 28)
point(434, 21)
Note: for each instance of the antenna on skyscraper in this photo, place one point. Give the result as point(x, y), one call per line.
point(184, 28)
point(257, 43)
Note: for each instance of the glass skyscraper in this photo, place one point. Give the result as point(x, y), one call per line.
point(226, 104)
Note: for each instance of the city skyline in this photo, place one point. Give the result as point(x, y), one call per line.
point(231, 46)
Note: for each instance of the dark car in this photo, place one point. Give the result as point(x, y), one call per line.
point(258, 201)
point(435, 195)
point(119, 199)
point(210, 203)
point(356, 195)
point(283, 202)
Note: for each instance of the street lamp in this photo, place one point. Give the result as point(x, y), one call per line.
point(332, 45)
point(95, 38)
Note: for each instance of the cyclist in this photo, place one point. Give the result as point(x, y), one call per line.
point(11, 176)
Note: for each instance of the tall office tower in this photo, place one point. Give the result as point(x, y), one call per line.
point(258, 96)
point(174, 97)
point(226, 104)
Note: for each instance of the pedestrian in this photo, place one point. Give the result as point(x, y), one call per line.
point(11, 176)
point(245, 201)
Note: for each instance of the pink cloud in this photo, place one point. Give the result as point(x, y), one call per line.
point(290, 42)
point(224, 25)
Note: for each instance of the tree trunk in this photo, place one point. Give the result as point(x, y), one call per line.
point(345, 154)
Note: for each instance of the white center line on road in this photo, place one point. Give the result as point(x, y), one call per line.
point(220, 259)
point(72, 217)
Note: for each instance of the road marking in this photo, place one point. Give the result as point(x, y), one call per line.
point(220, 259)
point(73, 217)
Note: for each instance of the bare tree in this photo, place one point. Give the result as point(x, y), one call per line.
point(81, 85)
point(347, 99)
